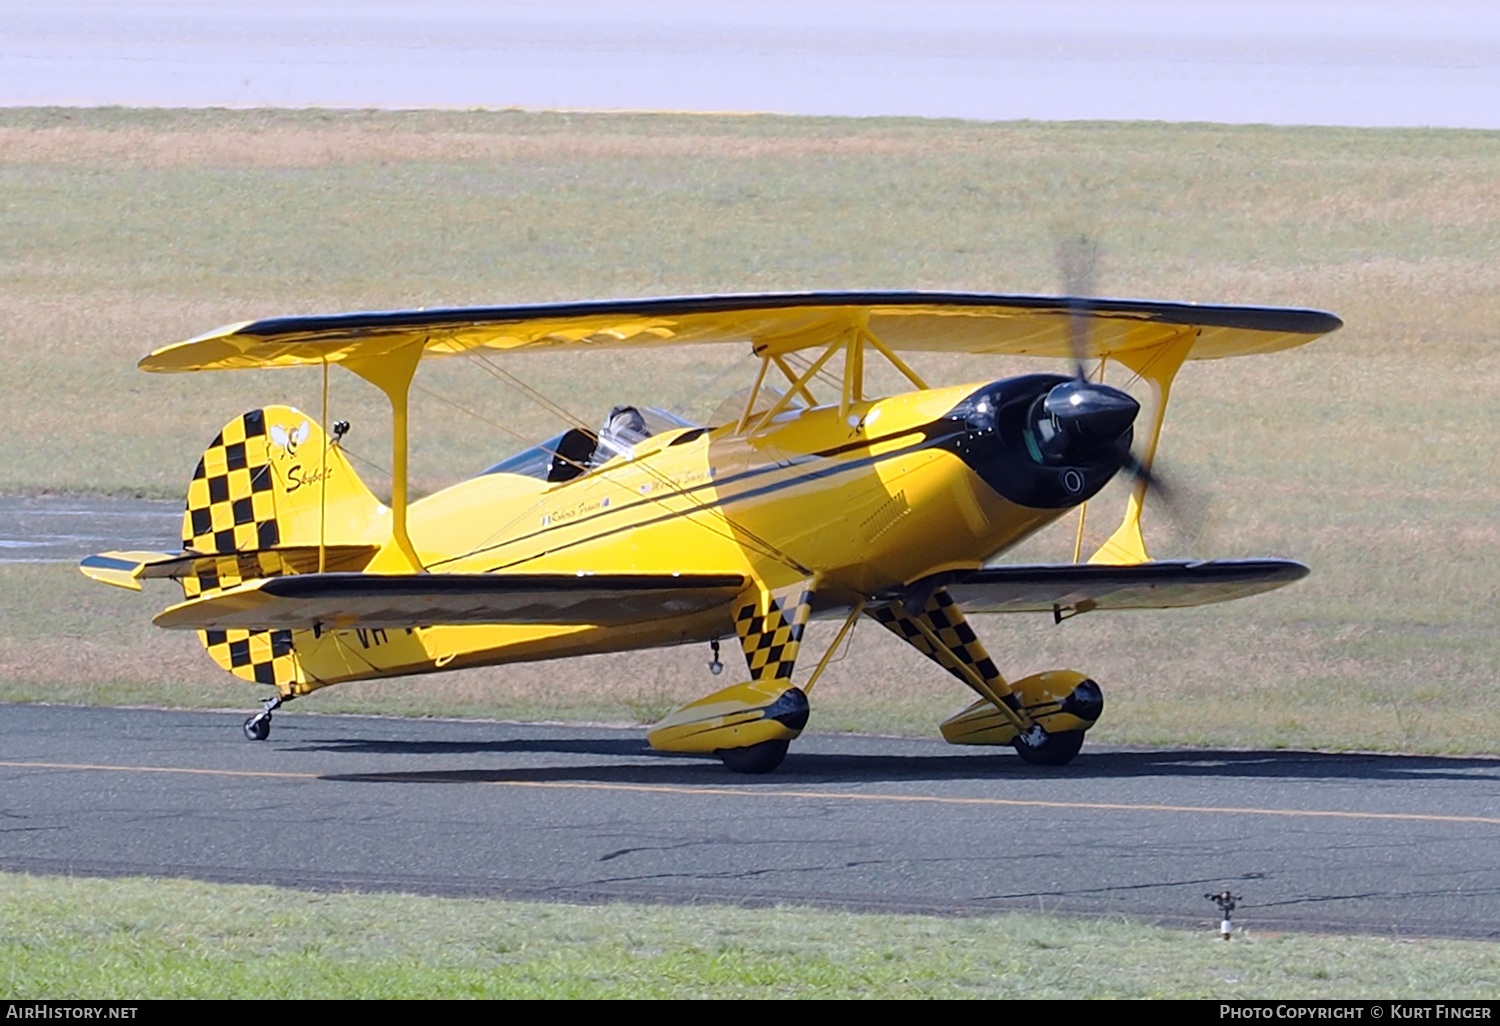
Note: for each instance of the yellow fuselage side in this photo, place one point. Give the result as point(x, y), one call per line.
point(864, 499)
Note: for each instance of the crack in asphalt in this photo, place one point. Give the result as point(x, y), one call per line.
point(742, 874)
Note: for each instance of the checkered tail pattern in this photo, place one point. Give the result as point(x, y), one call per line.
point(231, 518)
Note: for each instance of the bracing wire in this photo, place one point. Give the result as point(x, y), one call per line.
point(367, 462)
point(566, 416)
point(682, 405)
point(801, 363)
point(572, 420)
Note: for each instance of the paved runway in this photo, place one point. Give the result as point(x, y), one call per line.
point(64, 529)
point(1342, 62)
point(1389, 845)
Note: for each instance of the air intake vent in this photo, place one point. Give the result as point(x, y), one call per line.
point(885, 518)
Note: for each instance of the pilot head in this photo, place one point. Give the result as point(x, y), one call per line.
point(626, 424)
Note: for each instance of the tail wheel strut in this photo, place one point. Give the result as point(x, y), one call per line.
point(258, 727)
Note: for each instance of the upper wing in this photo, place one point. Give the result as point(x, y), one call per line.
point(772, 322)
point(339, 601)
point(1069, 588)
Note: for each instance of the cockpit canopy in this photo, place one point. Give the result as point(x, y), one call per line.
point(577, 451)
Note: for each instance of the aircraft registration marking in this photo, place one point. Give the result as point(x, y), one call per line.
point(373, 637)
point(731, 792)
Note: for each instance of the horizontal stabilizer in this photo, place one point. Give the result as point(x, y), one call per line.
point(128, 569)
point(125, 569)
point(342, 601)
point(1070, 588)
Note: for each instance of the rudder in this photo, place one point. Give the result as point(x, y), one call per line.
point(271, 479)
point(269, 489)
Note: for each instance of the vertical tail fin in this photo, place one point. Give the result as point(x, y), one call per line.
point(273, 495)
point(272, 479)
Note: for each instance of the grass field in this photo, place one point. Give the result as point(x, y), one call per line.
point(1368, 455)
point(128, 939)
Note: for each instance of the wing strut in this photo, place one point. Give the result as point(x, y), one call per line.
point(1158, 366)
point(852, 342)
point(797, 386)
point(392, 373)
point(854, 371)
point(896, 361)
point(760, 377)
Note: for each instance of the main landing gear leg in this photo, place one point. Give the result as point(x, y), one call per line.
point(750, 725)
point(258, 727)
point(940, 632)
point(1004, 713)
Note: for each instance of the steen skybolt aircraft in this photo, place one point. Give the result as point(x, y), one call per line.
point(654, 531)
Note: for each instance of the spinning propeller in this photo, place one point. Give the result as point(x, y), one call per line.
point(1087, 416)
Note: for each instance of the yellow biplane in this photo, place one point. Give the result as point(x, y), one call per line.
point(653, 531)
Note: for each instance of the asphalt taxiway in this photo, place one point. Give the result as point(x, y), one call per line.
point(64, 529)
point(1342, 62)
point(1320, 842)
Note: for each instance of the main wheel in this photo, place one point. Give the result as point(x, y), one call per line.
point(1055, 750)
point(761, 758)
point(258, 728)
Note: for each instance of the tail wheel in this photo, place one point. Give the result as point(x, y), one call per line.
point(761, 758)
point(1053, 750)
point(258, 727)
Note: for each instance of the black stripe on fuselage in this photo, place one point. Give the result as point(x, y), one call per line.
point(933, 434)
point(363, 585)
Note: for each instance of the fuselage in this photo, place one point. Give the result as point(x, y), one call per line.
point(868, 498)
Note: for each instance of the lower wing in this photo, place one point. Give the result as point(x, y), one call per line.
point(1067, 589)
point(340, 601)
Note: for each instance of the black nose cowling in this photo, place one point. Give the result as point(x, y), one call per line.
point(1085, 418)
point(1044, 440)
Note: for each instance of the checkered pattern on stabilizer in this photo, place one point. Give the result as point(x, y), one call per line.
point(960, 644)
point(770, 626)
point(215, 573)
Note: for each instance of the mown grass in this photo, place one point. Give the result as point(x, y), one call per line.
point(1368, 455)
point(141, 939)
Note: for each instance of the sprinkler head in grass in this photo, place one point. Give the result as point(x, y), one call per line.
point(1226, 903)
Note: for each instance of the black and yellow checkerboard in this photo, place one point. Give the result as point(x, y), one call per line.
point(231, 514)
point(961, 645)
point(263, 657)
point(770, 626)
point(231, 506)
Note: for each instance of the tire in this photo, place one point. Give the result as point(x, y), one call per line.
point(761, 758)
point(258, 728)
point(1056, 750)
